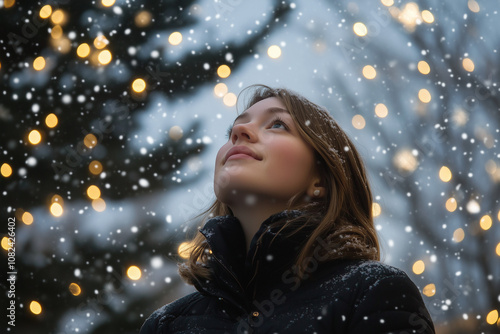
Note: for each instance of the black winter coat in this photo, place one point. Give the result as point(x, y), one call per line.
point(260, 291)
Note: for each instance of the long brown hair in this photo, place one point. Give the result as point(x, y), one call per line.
point(342, 219)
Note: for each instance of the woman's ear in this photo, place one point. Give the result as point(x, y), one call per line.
point(316, 190)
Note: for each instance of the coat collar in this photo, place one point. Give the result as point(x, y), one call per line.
point(236, 274)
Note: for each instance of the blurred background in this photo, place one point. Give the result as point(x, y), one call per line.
point(111, 114)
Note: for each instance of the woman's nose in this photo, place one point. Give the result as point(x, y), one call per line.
point(243, 131)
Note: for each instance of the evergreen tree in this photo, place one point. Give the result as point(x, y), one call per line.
point(75, 78)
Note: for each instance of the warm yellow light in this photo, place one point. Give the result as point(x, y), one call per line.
point(35, 307)
point(51, 120)
point(75, 289)
point(57, 198)
point(498, 217)
point(445, 174)
point(451, 204)
point(220, 89)
point(486, 222)
point(62, 45)
point(376, 209)
point(405, 161)
point(424, 95)
point(9, 3)
point(134, 273)
point(175, 38)
point(139, 85)
point(99, 204)
point(143, 19)
point(492, 317)
point(429, 290)
point(56, 32)
point(104, 57)
point(34, 137)
point(83, 50)
point(418, 267)
point(175, 132)
point(387, 3)
point(423, 67)
point(427, 16)
point(274, 51)
point(6, 170)
point(39, 63)
point(90, 141)
point(56, 209)
point(369, 72)
point(5, 243)
point(473, 6)
point(224, 71)
point(58, 17)
point(381, 110)
point(468, 64)
point(360, 29)
point(358, 122)
point(100, 42)
point(458, 235)
point(95, 167)
point(230, 99)
point(498, 249)
point(45, 11)
point(93, 192)
point(491, 167)
point(184, 249)
point(108, 3)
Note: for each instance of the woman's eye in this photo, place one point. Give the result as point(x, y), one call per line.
point(278, 123)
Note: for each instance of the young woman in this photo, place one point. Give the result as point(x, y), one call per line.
point(289, 245)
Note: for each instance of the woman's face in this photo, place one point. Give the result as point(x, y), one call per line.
point(264, 157)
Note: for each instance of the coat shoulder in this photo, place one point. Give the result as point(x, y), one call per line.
point(165, 314)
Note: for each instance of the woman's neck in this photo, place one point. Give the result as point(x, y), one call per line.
point(252, 215)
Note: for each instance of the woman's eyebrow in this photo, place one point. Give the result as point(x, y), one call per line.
point(273, 110)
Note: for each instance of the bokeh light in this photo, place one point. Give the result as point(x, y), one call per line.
point(492, 317)
point(468, 64)
point(58, 17)
point(35, 307)
point(486, 222)
point(51, 120)
point(39, 63)
point(175, 132)
point(429, 290)
point(90, 140)
point(93, 192)
point(175, 38)
point(473, 6)
point(376, 209)
point(45, 11)
point(418, 267)
point(458, 235)
point(427, 16)
point(95, 167)
point(35, 137)
point(56, 209)
point(139, 85)
point(220, 89)
point(405, 161)
point(223, 71)
point(387, 3)
point(143, 19)
point(83, 50)
point(423, 67)
point(451, 204)
point(108, 3)
point(27, 218)
point(230, 99)
point(369, 72)
point(99, 204)
point(134, 273)
point(6, 170)
point(100, 42)
point(75, 289)
point(424, 95)
point(381, 110)
point(104, 57)
point(274, 51)
point(445, 174)
point(358, 122)
point(360, 29)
